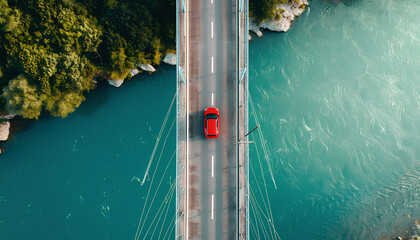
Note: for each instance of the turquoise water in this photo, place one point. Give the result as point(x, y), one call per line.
point(339, 102)
point(338, 99)
point(73, 178)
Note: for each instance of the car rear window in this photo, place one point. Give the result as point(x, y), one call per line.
point(211, 116)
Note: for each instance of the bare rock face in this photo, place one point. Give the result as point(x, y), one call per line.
point(285, 14)
point(8, 116)
point(134, 72)
point(170, 59)
point(4, 131)
point(147, 68)
point(253, 27)
point(116, 83)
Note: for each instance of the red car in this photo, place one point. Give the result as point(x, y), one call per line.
point(211, 122)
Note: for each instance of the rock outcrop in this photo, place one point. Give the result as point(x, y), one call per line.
point(116, 83)
point(8, 116)
point(253, 27)
point(285, 14)
point(4, 130)
point(170, 59)
point(134, 72)
point(147, 68)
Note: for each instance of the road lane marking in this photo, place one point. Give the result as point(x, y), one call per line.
point(212, 98)
point(212, 166)
point(212, 206)
point(212, 68)
point(211, 1)
point(187, 192)
point(211, 29)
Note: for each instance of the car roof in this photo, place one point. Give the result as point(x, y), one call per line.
point(211, 127)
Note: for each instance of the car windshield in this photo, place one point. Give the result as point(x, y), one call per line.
point(211, 116)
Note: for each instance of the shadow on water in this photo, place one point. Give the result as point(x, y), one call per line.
point(17, 125)
point(94, 101)
point(100, 96)
point(104, 92)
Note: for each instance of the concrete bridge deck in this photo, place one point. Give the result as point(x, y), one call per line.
point(212, 174)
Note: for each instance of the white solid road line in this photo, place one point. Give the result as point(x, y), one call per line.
point(212, 166)
point(212, 98)
point(212, 206)
point(212, 68)
point(186, 32)
point(211, 29)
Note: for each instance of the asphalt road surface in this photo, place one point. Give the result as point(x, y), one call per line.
point(211, 82)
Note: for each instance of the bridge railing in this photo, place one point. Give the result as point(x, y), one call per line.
point(243, 73)
point(181, 121)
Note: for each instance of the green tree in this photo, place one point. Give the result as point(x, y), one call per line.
point(263, 10)
point(9, 18)
point(51, 47)
point(62, 104)
point(23, 98)
point(156, 51)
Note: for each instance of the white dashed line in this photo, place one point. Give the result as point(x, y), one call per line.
point(211, 29)
point(212, 166)
point(212, 98)
point(212, 206)
point(212, 64)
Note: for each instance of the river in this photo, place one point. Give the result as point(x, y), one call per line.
point(338, 101)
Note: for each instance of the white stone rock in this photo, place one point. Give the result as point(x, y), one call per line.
point(249, 37)
point(289, 13)
point(4, 131)
point(8, 116)
point(255, 28)
point(116, 83)
point(95, 79)
point(170, 59)
point(417, 224)
point(281, 25)
point(147, 68)
point(134, 72)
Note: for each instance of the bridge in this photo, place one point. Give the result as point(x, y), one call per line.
point(212, 174)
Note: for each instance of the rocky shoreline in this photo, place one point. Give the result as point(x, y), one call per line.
point(6, 119)
point(285, 15)
point(170, 58)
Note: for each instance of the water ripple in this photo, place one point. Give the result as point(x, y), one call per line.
point(339, 103)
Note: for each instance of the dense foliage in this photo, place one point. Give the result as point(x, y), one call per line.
point(51, 49)
point(262, 10)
